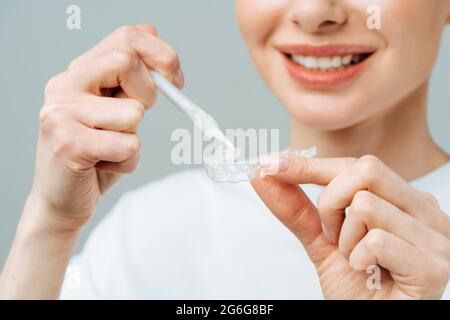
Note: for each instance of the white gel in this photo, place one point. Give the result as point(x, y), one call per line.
point(221, 167)
point(201, 119)
point(210, 128)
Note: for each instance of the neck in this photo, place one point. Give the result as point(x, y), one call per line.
point(399, 137)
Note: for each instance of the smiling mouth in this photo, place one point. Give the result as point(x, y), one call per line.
point(327, 66)
point(331, 63)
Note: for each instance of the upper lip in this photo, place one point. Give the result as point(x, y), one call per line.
point(328, 50)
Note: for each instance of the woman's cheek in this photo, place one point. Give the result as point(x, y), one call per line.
point(259, 18)
point(412, 33)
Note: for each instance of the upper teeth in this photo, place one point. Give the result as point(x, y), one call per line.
point(325, 63)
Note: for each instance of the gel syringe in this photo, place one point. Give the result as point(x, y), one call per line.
point(201, 119)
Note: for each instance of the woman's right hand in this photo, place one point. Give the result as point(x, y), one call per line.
point(88, 124)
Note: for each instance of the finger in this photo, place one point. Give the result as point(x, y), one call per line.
point(294, 209)
point(300, 170)
point(147, 28)
point(368, 173)
point(119, 68)
point(367, 212)
point(123, 115)
point(430, 198)
point(411, 269)
point(92, 146)
point(155, 53)
point(125, 167)
point(108, 43)
point(439, 220)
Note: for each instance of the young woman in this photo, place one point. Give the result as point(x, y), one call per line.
point(376, 195)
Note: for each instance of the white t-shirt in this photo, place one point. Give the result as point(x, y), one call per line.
point(185, 237)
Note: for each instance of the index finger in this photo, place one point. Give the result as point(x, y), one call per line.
point(154, 52)
point(300, 170)
point(106, 44)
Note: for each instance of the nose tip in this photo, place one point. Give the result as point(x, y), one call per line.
point(318, 16)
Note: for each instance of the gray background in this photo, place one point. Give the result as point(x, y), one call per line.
point(35, 44)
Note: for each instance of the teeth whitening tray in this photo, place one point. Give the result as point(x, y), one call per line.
point(222, 165)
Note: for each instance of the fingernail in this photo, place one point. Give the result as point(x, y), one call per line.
point(284, 164)
point(273, 165)
point(327, 234)
point(179, 79)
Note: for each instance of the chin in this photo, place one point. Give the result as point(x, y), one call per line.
point(323, 122)
point(326, 112)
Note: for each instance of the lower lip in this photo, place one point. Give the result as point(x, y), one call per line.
point(317, 79)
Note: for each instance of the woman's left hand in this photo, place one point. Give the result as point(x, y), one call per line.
point(388, 224)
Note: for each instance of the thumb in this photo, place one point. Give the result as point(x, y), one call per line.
point(294, 209)
point(147, 28)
